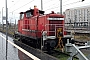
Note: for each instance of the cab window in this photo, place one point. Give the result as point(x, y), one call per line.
point(28, 14)
point(21, 16)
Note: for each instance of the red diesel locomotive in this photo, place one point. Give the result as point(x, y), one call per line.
point(40, 30)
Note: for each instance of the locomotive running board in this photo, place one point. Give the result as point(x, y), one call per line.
point(25, 35)
point(51, 37)
point(25, 29)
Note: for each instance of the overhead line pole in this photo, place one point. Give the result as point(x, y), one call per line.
point(41, 37)
point(2, 18)
point(61, 7)
point(42, 31)
point(41, 5)
point(2, 28)
point(6, 28)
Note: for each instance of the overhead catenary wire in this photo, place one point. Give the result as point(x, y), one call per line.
point(23, 5)
point(43, 3)
point(66, 1)
point(57, 6)
point(72, 3)
point(14, 4)
point(52, 5)
point(26, 4)
point(53, 0)
point(47, 2)
point(52, 8)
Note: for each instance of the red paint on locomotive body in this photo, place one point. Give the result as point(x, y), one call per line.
point(35, 24)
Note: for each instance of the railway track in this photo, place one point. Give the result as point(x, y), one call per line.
point(64, 56)
point(44, 55)
point(80, 43)
point(61, 55)
point(57, 54)
point(54, 54)
point(36, 52)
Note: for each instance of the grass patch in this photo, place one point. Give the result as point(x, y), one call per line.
point(62, 55)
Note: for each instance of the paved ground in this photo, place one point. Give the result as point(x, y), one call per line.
point(12, 51)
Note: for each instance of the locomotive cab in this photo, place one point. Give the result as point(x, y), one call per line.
point(33, 12)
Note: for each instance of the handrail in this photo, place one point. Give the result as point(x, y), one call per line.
point(46, 27)
point(55, 27)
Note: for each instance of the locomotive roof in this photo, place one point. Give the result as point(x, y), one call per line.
point(31, 10)
point(41, 12)
point(21, 12)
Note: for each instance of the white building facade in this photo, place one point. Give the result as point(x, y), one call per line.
point(78, 17)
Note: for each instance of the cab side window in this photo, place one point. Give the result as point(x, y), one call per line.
point(21, 16)
point(28, 14)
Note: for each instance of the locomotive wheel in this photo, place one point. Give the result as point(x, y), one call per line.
point(50, 44)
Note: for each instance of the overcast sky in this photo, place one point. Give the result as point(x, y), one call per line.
point(16, 6)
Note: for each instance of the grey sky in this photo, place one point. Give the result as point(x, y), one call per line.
point(16, 6)
point(48, 5)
